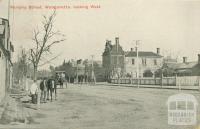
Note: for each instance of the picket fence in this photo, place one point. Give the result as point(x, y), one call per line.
point(165, 81)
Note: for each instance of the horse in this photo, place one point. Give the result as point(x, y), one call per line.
point(51, 87)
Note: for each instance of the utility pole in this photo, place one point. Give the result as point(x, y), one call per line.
point(8, 9)
point(117, 56)
point(76, 71)
point(93, 76)
point(137, 63)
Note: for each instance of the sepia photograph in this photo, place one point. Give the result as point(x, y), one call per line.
point(99, 64)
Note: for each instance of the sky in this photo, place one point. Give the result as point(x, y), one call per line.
point(171, 25)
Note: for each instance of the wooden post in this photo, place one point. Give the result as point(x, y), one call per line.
point(161, 80)
point(199, 82)
point(38, 97)
point(179, 84)
point(175, 79)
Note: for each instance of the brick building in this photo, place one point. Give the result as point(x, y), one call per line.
point(6, 49)
point(113, 59)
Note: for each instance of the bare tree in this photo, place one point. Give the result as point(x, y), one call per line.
point(44, 39)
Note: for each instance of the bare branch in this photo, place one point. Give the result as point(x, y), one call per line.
point(48, 61)
point(42, 39)
point(47, 48)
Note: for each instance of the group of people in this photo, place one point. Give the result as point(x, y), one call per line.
point(42, 91)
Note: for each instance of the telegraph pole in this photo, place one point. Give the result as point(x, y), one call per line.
point(76, 70)
point(137, 63)
point(93, 76)
point(8, 9)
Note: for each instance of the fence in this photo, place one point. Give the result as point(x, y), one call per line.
point(165, 81)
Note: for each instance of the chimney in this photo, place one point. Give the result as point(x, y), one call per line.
point(158, 51)
point(131, 49)
point(184, 59)
point(117, 40)
point(198, 58)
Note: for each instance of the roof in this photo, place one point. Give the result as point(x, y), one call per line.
point(115, 51)
point(142, 54)
point(2, 28)
point(187, 65)
point(112, 49)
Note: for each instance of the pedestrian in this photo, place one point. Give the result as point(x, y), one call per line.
point(33, 92)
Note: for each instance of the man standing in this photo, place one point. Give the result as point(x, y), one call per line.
point(34, 91)
point(43, 88)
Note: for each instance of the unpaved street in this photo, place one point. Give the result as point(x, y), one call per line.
point(106, 107)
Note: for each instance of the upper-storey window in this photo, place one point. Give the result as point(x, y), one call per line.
point(144, 61)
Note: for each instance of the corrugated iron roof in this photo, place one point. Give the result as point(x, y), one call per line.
point(187, 65)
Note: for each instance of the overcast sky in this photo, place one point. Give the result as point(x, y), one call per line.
point(172, 25)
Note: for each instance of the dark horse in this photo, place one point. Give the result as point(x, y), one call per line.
point(51, 87)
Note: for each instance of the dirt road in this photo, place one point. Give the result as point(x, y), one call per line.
point(103, 107)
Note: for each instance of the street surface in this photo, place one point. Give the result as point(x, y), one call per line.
point(106, 107)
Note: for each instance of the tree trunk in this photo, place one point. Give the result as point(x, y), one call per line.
point(35, 73)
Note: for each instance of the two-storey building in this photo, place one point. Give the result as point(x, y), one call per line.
point(148, 63)
point(113, 59)
point(6, 49)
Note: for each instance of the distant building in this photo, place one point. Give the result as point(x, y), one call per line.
point(169, 59)
point(113, 59)
point(185, 68)
point(6, 49)
point(149, 63)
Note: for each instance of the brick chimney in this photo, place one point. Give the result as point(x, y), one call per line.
point(198, 58)
point(117, 43)
point(117, 40)
point(158, 51)
point(184, 59)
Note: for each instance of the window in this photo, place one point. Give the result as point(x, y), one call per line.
point(144, 62)
point(133, 61)
point(155, 62)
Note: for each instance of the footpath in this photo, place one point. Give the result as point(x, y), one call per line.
point(151, 86)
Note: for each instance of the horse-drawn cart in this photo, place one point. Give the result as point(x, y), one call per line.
point(60, 78)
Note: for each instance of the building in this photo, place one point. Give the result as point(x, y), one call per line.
point(6, 49)
point(113, 59)
point(148, 63)
point(185, 68)
point(118, 63)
